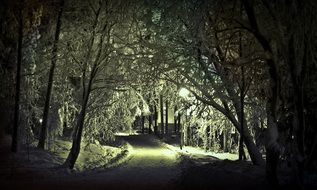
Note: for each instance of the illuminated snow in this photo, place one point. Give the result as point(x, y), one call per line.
point(189, 150)
point(183, 92)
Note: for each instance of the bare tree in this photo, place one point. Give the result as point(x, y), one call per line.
point(14, 146)
point(42, 138)
point(99, 66)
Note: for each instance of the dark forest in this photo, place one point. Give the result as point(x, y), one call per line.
point(158, 94)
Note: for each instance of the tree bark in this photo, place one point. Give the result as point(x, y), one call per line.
point(142, 123)
point(175, 119)
point(298, 74)
point(166, 116)
point(224, 133)
point(155, 120)
point(255, 154)
point(150, 123)
point(178, 122)
point(75, 149)
point(272, 147)
point(298, 78)
point(50, 82)
point(162, 115)
point(181, 144)
point(242, 119)
point(242, 91)
point(14, 145)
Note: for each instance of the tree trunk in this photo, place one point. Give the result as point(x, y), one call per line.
point(162, 115)
point(229, 144)
point(65, 119)
point(242, 119)
point(135, 122)
point(14, 145)
point(75, 149)
point(298, 73)
point(150, 123)
point(272, 153)
point(155, 120)
point(74, 152)
point(207, 138)
point(189, 137)
point(166, 117)
point(254, 152)
point(271, 147)
point(242, 91)
point(185, 130)
point(181, 144)
point(142, 123)
point(150, 119)
point(224, 133)
point(175, 119)
point(50, 82)
point(178, 122)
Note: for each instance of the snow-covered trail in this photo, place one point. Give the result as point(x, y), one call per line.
point(150, 165)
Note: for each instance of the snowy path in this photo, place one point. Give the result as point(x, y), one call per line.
point(150, 166)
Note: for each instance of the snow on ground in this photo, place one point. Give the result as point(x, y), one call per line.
point(149, 166)
point(146, 163)
point(32, 165)
point(91, 155)
point(209, 170)
point(197, 151)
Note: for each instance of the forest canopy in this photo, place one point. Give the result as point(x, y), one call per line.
point(85, 70)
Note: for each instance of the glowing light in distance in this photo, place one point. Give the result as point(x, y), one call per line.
point(183, 92)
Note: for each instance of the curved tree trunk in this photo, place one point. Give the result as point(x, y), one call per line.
point(272, 147)
point(74, 152)
point(253, 150)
